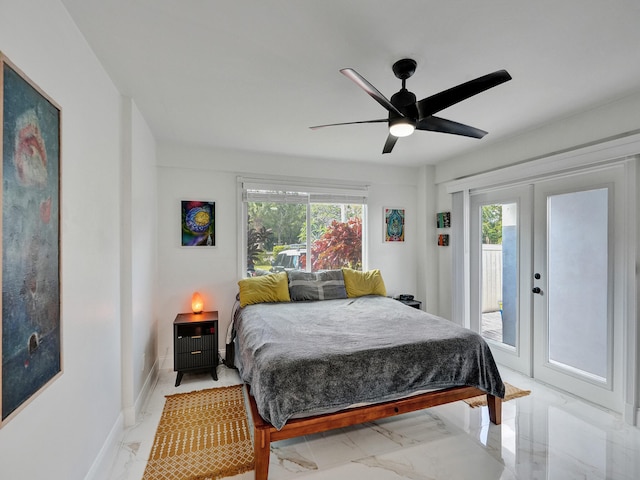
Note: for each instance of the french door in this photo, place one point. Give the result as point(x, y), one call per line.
point(501, 235)
point(553, 315)
point(578, 262)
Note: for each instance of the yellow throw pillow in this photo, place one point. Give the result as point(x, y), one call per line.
point(360, 283)
point(264, 289)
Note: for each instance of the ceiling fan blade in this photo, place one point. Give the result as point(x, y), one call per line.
point(437, 124)
point(370, 89)
point(440, 101)
point(380, 120)
point(388, 145)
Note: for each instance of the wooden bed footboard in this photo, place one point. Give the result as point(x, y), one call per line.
point(265, 433)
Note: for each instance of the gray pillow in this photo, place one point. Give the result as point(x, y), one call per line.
point(327, 285)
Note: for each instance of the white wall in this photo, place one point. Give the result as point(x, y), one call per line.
point(429, 284)
point(606, 121)
point(40, 38)
point(138, 260)
point(200, 174)
point(144, 241)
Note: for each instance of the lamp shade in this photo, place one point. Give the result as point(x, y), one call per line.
point(197, 305)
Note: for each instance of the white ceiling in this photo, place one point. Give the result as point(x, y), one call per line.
point(254, 75)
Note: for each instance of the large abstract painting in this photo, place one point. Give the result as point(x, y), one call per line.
point(30, 328)
point(198, 223)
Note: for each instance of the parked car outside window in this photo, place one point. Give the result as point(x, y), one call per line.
point(287, 260)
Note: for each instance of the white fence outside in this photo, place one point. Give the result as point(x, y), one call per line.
point(491, 277)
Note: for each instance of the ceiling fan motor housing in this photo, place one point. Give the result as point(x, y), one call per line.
point(405, 101)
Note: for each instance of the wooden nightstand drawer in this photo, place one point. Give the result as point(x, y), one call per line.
point(195, 359)
point(191, 344)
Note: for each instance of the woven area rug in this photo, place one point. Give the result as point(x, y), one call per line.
point(511, 392)
point(202, 435)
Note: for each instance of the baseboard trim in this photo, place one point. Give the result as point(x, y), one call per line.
point(147, 388)
point(104, 461)
point(101, 466)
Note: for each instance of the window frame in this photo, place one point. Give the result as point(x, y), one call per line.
point(316, 190)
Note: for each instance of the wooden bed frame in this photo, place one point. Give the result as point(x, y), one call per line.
point(264, 433)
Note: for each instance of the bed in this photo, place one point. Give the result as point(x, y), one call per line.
point(328, 359)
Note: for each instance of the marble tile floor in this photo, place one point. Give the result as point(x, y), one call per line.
point(547, 435)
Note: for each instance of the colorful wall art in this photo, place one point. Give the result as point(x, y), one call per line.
point(443, 220)
point(393, 224)
point(198, 223)
point(30, 329)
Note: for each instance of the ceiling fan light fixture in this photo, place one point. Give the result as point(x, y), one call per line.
point(406, 114)
point(401, 127)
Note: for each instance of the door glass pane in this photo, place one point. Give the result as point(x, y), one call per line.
point(499, 282)
point(578, 278)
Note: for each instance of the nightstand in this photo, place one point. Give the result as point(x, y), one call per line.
point(195, 343)
point(412, 303)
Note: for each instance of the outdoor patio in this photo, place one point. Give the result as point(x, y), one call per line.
point(492, 326)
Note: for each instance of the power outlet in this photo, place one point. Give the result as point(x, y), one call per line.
point(144, 362)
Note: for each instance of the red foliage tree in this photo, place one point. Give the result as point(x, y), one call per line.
point(340, 246)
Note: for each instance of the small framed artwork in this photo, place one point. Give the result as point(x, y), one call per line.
point(394, 224)
point(443, 220)
point(198, 223)
point(443, 240)
point(30, 331)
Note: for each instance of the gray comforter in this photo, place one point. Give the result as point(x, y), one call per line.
point(305, 357)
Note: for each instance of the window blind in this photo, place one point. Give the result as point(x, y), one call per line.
point(282, 191)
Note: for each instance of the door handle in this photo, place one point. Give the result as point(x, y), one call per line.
point(536, 290)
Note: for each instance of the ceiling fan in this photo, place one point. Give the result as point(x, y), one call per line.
point(406, 114)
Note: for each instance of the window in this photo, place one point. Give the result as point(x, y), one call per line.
point(296, 226)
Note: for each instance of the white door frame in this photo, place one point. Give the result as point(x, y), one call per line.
point(607, 392)
point(622, 150)
point(519, 356)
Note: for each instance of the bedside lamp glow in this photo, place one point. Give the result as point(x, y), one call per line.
point(197, 305)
